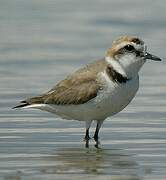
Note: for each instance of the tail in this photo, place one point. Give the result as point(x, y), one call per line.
point(29, 102)
point(22, 104)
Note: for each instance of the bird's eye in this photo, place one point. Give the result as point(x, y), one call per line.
point(129, 47)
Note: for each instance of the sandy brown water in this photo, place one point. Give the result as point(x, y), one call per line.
point(43, 41)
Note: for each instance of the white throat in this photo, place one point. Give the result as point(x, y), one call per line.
point(131, 64)
point(127, 65)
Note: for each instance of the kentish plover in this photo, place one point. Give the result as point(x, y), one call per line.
point(98, 90)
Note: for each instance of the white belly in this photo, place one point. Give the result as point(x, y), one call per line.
point(109, 101)
point(117, 97)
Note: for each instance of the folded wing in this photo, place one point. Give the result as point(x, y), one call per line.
point(78, 88)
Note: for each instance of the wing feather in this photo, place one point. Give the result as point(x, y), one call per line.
point(73, 91)
point(78, 88)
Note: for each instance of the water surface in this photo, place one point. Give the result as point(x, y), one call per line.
point(43, 41)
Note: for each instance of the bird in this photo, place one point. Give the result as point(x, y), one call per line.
point(98, 90)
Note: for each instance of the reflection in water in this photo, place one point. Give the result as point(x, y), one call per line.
point(43, 41)
point(113, 162)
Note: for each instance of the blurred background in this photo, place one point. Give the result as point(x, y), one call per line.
point(43, 41)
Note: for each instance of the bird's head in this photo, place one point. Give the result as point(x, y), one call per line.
point(128, 54)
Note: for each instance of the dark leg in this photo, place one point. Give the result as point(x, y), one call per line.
point(96, 135)
point(87, 137)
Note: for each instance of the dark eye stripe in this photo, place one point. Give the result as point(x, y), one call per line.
point(129, 47)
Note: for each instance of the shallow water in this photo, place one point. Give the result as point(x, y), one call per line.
point(40, 43)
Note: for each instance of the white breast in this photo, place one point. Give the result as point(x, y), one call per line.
point(116, 96)
point(110, 100)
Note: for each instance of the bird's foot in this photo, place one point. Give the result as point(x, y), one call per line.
point(97, 142)
point(86, 139)
point(87, 144)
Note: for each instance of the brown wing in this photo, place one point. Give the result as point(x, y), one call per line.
point(78, 88)
point(73, 91)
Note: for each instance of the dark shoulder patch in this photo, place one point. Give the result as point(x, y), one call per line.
point(115, 76)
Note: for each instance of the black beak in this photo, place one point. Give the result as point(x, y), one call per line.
point(152, 57)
